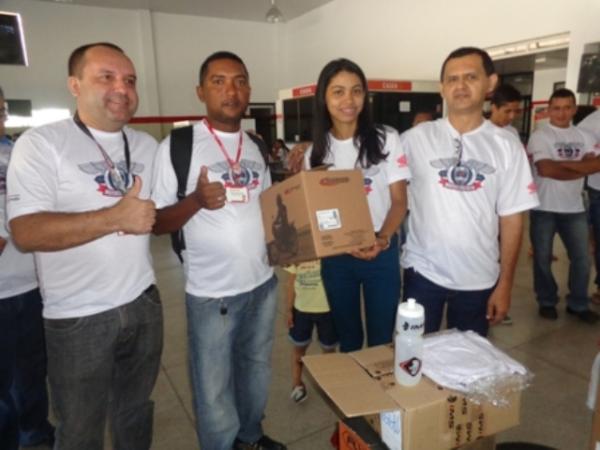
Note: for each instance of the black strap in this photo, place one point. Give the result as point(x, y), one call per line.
point(262, 147)
point(181, 157)
point(83, 127)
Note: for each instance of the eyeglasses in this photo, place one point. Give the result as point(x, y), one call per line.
point(458, 144)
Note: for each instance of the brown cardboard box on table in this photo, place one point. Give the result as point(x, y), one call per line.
point(315, 214)
point(423, 417)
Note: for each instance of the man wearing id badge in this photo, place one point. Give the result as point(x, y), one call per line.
point(230, 287)
point(77, 197)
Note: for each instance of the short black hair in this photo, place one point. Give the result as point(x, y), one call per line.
point(78, 55)
point(488, 64)
point(505, 94)
point(222, 54)
point(563, 93)
point(1, 92)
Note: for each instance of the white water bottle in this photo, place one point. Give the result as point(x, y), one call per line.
point(408, 357)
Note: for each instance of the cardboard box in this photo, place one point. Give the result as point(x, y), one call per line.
point(356, 434)
point(422, 417)
point(315, 214)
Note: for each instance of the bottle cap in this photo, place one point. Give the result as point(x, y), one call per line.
point(411, 309)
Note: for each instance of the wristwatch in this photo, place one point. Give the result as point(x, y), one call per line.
point(385, 238)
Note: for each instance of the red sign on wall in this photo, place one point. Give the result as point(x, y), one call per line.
point(304, 91)
point(373, 85)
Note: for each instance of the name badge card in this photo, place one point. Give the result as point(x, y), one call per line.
point(237, 194)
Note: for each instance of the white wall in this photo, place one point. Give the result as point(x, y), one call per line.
point(394, 39)
point(166, 49)
point(543, 82)
point(388, 38)
point(52, 32)
point(183, 42)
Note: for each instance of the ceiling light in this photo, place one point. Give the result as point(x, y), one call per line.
point(274, 15)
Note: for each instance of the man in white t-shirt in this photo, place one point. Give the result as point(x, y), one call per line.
point(23, 393)
point(470, 185)
point(230, 288)
point(562, 155)
point(77, 196)
point(506, 105)
point(591, 124)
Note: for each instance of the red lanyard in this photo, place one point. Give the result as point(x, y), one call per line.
point(235, 165)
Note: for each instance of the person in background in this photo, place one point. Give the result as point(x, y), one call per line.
point(23, 392)
point(506, 105)
point(422, 116)
point(307, 308)
point(231, 291)
point(345, 137)
point(77, 196)
point(562, 155)
point(591, 124)
point(471, 183)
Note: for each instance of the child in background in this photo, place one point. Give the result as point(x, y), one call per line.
point(307, 307)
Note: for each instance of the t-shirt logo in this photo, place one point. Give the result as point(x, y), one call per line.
point(248, 174)
point(402, 161)
point(106, 185)
point(568, 150)
point(368, 176)
point(464, 176)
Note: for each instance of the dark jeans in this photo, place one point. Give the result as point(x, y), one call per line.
point(23, 394)
point(573, 231)
point(594, 216)
point(106, 363)
point(344, 276)
point(466, 310)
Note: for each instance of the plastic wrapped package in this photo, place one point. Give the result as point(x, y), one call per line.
point(470, 364)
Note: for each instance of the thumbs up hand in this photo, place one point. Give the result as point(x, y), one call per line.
point(209, 195)
point(132, 214)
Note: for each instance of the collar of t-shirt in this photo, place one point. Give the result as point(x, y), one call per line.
point(456, 135)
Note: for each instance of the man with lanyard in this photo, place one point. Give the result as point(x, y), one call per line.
point(23, 393)
point(471, 182)
point(77, 197)
point(563, 155)
point(230, 288)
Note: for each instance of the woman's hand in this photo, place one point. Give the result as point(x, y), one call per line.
point(295, 160)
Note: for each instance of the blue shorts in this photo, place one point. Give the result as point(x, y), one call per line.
point(301, 333)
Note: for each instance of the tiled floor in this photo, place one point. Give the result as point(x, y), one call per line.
point(553, 412)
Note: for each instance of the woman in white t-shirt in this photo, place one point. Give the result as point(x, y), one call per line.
point(346, 138)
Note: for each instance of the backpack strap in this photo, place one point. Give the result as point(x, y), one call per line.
point(262, 147)
point(181, 157)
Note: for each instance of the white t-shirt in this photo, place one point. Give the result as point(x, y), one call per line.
point(17, 270)
point(591, 124)
point(377, 178)
point(454, 210)
point(226, 253)
point(513, 131)
point(559, 144)
point(58, 168)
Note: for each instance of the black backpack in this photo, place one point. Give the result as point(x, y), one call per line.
point(181, 157)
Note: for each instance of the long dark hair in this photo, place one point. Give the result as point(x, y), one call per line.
point(369, 138)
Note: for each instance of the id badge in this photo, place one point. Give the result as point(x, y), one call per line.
point(237, 194)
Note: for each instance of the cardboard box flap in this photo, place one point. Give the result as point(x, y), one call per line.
point(348, 385)
point(377, 361)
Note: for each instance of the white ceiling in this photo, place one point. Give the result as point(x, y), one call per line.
point(253, 10)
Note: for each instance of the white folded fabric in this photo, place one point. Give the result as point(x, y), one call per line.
point(469, 363)
point(593, 388)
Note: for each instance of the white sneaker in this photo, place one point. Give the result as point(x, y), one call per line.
point(298, 394)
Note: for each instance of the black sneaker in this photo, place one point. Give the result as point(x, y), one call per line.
point(264, 443)
point(587, 315)
point(548, 312)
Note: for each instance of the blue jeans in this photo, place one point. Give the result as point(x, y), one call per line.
point(573, 231)
point(466, 310)
point(106, 363)
point(23, 394)
point(594, 216)
point(344, 276)
point(230, 342)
